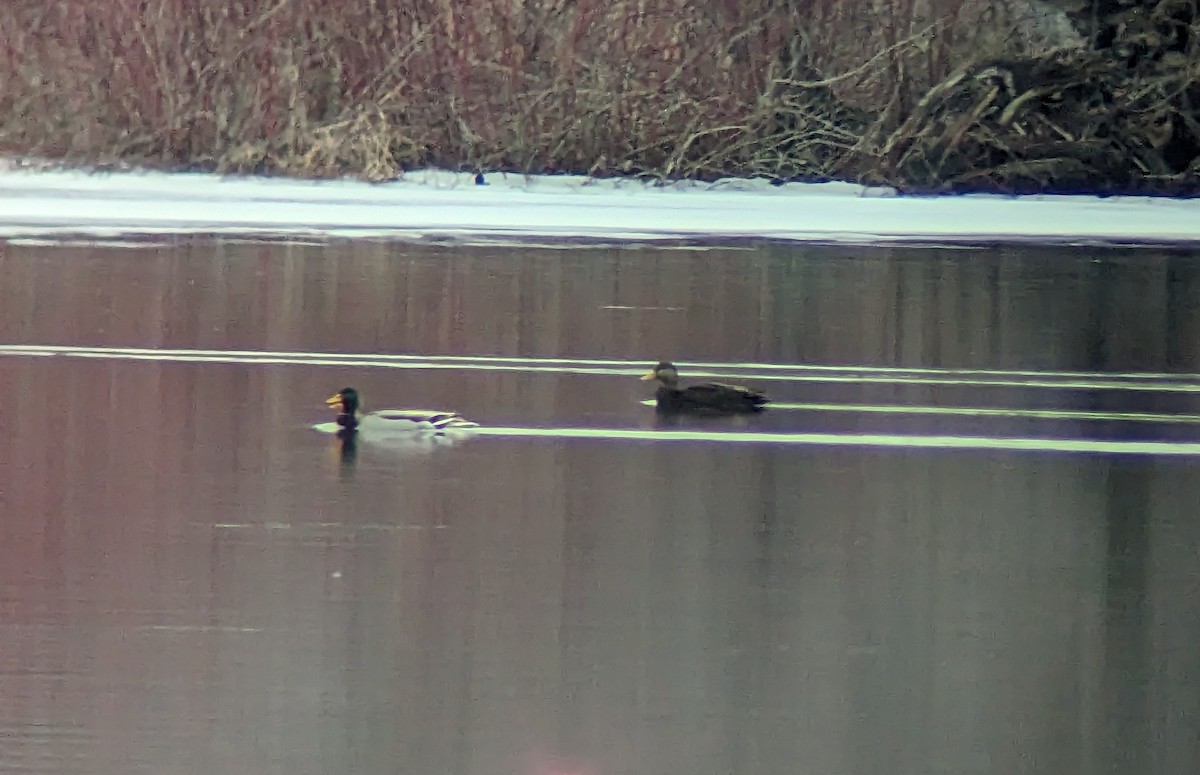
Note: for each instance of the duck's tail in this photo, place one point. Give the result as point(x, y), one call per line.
point(449, 422)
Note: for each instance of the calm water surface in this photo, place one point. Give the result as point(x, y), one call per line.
point(193, 580)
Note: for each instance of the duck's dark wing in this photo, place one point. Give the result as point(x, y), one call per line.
point(717, 396)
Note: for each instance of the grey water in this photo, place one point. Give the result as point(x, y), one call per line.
point(194, 580)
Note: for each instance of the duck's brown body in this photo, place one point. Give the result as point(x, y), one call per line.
point(706, 398)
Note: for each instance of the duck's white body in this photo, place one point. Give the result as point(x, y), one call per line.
point(394, 421)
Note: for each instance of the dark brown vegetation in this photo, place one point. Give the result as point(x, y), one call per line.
point(922, 94)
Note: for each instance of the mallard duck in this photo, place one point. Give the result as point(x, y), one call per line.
point(392, 421)
point(706, 398)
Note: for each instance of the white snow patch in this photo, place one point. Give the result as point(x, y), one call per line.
point(39, 203)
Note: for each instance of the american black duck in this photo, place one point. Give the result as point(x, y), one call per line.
point(704, 398)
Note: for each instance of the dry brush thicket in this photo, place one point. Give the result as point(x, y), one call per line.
point(922, 94)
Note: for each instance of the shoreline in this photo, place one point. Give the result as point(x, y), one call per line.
point(57, 204)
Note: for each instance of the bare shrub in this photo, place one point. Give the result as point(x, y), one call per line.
point(317, 86)
point(782, 88)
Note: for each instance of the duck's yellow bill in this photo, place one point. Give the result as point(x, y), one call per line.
point(334, 400)
point(649, 376)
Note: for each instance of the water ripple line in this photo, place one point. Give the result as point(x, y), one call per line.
point(883, 441)
point(1049, 380)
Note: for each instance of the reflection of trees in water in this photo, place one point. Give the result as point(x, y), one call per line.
point(1005, 308)
point(1126, 652)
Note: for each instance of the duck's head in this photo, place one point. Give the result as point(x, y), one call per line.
point(664, 372)
point(345, 400)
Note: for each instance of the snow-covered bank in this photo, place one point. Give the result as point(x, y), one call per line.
point(70, 204)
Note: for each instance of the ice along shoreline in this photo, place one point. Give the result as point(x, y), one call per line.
point(71, 204)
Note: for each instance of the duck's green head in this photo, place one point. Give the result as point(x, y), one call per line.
point(664, 372)
point(345, 399)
